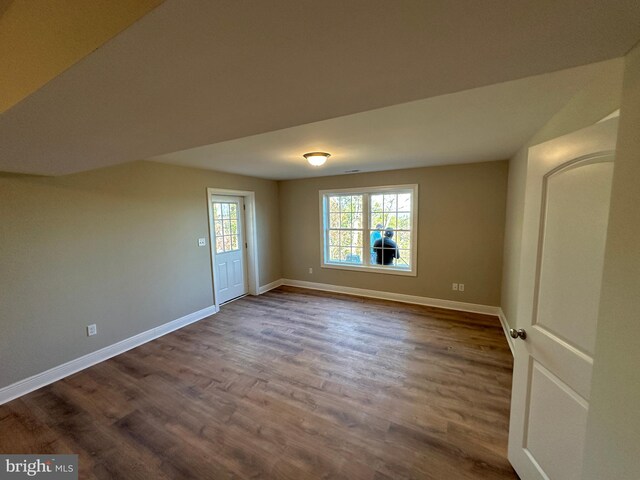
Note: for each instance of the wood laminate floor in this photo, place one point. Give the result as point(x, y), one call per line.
point(293, 384)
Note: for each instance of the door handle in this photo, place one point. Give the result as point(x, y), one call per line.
point(518, 333)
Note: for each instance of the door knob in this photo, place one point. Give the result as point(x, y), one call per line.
point(518, 333)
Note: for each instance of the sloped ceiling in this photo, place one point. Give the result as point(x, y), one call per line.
point(200, 72)
point(477, 125)
point(41, 39)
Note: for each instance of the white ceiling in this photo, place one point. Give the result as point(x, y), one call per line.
point(201, 72)
point(482, 124)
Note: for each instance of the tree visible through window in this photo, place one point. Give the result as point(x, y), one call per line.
point(370, 228)
point(345, 229)
point(225, 218)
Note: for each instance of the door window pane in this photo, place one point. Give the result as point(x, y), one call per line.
point(219, 245)
point(225, 225)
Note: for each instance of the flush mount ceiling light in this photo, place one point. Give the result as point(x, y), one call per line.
point(316, 158)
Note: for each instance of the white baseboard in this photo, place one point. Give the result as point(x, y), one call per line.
point(39, 380)
point(269, 286)
point(505, 327)
point(397, 297)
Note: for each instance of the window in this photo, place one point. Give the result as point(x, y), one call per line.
point(225, 218)
point(370, 228)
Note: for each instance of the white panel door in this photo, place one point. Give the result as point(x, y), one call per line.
point(564, 234)
point(228, 248)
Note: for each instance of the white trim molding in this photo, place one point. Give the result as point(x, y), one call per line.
point(250, 237)
point(269, 286)
point(396, 297)
point(54, 374)
point(505, 326)
point(366, 228)
point(400, 297)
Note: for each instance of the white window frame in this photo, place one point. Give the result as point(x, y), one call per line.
point(324, 224)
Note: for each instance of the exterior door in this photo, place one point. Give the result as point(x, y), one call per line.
point(228, 248)
point(564, 234)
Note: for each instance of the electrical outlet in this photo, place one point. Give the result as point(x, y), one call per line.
point(202, 242)
point(454, 286)
point(310, 270)
point(91, 330)
point(461, 287)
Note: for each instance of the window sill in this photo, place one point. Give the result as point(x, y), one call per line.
point(371, 269)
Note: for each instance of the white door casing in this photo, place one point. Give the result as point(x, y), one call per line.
point(564, 232)
point(228, 248)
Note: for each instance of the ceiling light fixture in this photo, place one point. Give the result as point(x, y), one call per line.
point(316, 158)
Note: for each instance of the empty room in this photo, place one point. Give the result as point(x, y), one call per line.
point(364, 240)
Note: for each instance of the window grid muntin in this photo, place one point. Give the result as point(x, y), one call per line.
point(391, 206)
point(407, 255)
point(226, 226)
point(341, 207)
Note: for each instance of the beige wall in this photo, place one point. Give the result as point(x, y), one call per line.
point(613, 429)
point(116, 247)
point(600, 98)
point(461, 224)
